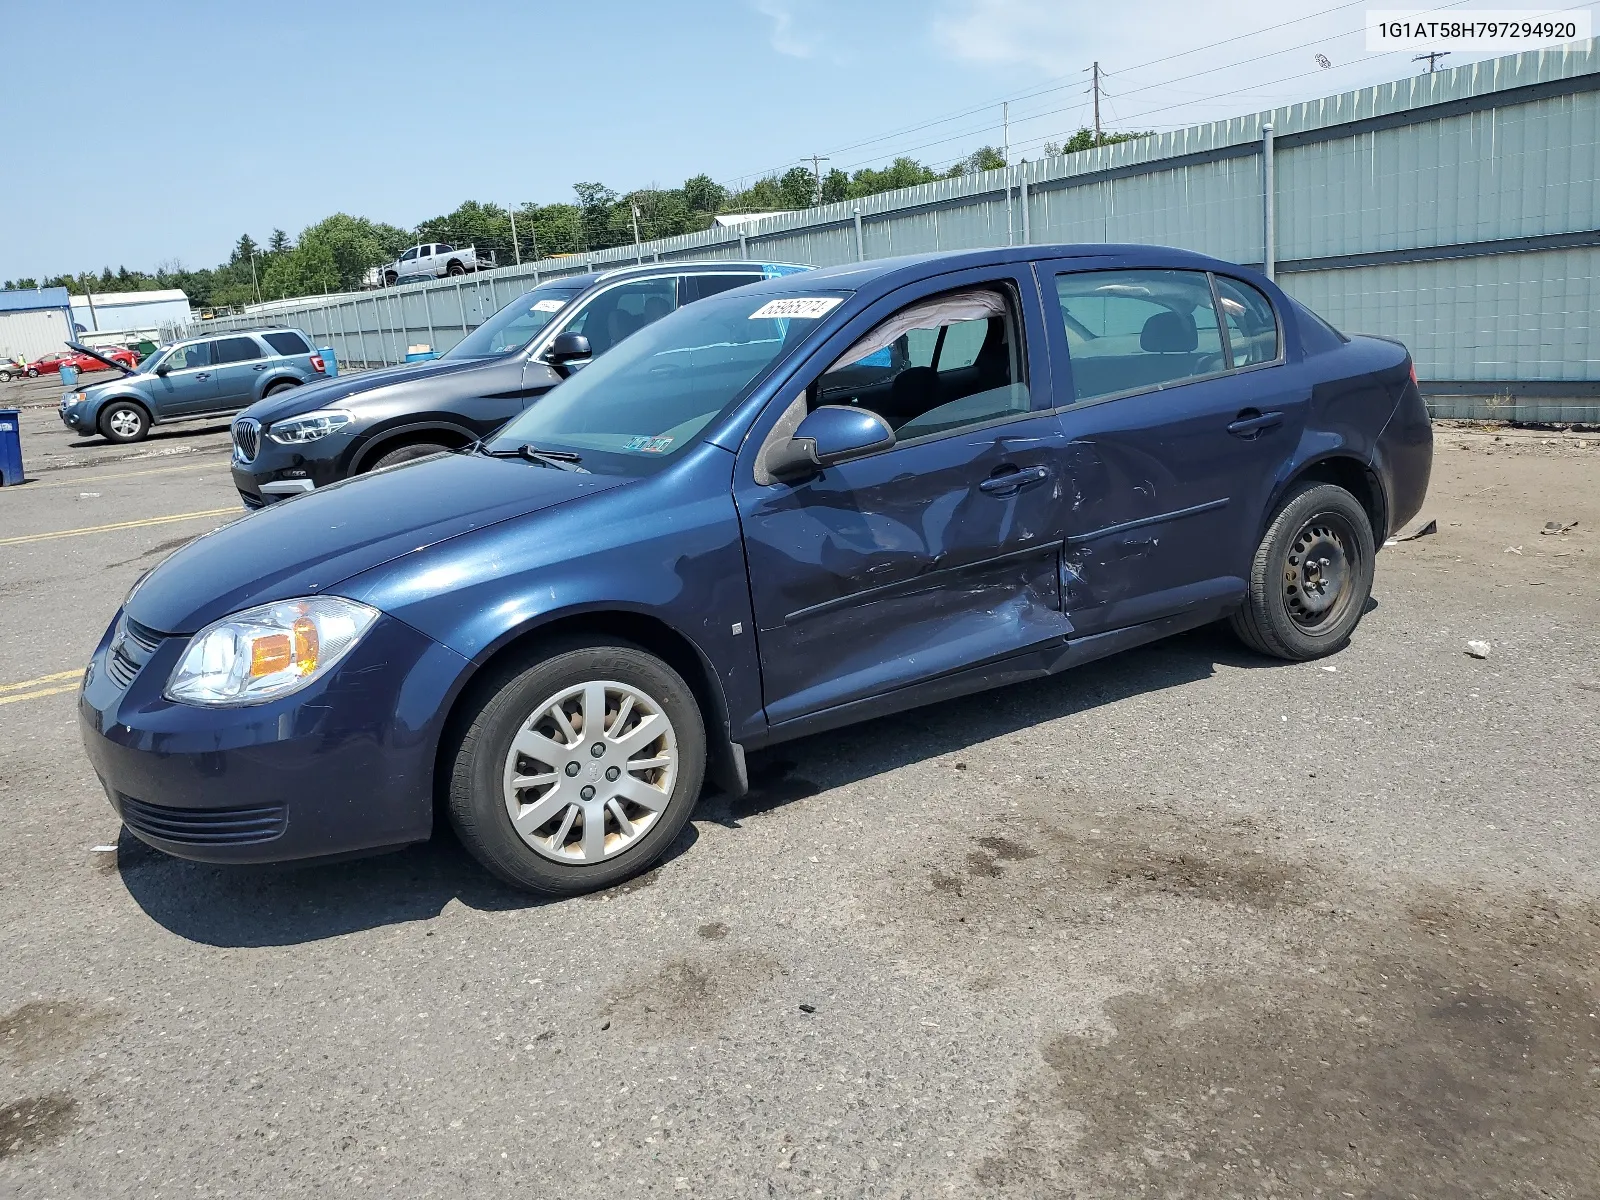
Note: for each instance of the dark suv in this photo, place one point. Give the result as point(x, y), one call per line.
point(198, 377)
point(291, 444)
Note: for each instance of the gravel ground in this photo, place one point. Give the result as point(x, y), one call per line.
point(1180, 923)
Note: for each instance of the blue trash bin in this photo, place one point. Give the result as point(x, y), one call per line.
point(10, 447)
point(69, 375)
point(329, 360)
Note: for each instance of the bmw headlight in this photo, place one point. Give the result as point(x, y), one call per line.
point(295, 431)
point(266, 652)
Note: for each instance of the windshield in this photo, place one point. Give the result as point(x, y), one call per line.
point(653, 395)
point(514, 326)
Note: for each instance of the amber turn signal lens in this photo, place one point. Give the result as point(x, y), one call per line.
point(306, 646)
point(269, 654)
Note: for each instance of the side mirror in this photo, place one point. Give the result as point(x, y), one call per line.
point(832, 434)
point(568, 352)
point(163, 369)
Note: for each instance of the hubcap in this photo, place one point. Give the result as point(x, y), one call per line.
point(125, 423)
point(1319, 572)
point(590, 771)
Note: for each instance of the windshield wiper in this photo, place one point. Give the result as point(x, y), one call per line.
point(564, 460)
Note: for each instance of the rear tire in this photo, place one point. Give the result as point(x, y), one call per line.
point(406, 453)
point(597, 801)
point(455, 268)
point(278, 388)
point(1311, 576)
point(123, 421)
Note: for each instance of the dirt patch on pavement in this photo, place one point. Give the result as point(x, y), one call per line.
point(36, 1121)
point(1414, 1042)
point(688, 994)
point(41, 1030)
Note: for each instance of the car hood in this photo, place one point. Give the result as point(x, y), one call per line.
point(311, 543)
point(353, 388)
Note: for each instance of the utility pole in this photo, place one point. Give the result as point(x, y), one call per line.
point(253, 282)
point(1097, 134)
point(816, 171)
point(515, 249)
point(1431, 58)
point(1005, 134)
point(638, 250)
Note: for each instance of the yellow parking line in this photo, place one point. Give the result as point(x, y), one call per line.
point(66, 533)
point(29, 683)
point(55, 691)
point(188, 466)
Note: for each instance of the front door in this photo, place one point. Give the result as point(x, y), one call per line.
point(188, 385)
point(937, 554)
point(1176, 427)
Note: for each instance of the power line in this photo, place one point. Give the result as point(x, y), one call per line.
point(1070, 80)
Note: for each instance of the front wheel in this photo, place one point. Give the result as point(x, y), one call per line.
point(390, 278)
point(124, 422)
point(579, 769)
point(1311, 576)
point(5, 376)
point(33, 372)
point(406, 454)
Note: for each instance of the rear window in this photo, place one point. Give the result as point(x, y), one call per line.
point(287, 343)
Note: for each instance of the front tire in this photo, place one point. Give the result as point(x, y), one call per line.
point(1311, 576)
point(405, 454)
point(33, 372)
point(578, 769)
point(123, 422)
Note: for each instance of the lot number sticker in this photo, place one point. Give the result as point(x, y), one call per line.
point(547, 306)
point(807, 308)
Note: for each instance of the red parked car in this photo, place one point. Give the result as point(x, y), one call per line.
point(51, 364)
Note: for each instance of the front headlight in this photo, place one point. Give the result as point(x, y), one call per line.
point(313, 425)
point(267, 652)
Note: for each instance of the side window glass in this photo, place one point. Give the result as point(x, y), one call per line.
point(235, 349)
point(900, 371)
point(698, 287)
point(184, 357)
point(441, 248)
point(1129, 331)
point(1252, 325)
point(409, 254)
point(616, 314)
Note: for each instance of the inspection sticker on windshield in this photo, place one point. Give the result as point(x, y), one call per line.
point(651, 445)
point(807, 308)
point(547, 306)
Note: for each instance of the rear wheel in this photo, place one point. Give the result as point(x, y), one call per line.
point(278, 388)
point(1311, 576)
point(578, 769)
point(455, 268)
point(405, 454)
point(123, 421)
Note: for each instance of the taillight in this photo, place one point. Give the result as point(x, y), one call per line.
point(321, 367)
point(1409, 363)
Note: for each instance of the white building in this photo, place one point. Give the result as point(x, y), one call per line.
point(123, 314)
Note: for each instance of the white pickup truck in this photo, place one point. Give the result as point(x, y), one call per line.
point(435, 259)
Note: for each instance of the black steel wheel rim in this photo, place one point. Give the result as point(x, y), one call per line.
point(1320, 572)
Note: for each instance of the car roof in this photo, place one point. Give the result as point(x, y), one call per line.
point(884, 274)
point(698, 266)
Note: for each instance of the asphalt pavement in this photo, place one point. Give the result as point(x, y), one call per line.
point(1185, 922)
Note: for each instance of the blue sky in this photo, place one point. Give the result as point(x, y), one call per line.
point(213, 119)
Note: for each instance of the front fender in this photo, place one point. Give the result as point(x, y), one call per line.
point(373, 441)
point(667, 548)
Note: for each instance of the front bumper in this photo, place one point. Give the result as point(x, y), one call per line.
point(342, 767)
point(83, 418)
point(278, 472)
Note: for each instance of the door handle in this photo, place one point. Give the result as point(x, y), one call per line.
point(1251, 423)
point(259, 367)
point(203, 375)
point(1005, 483)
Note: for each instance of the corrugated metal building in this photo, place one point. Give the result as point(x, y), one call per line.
point(1458, 210)
point(34, 322)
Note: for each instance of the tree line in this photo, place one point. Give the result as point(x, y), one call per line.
point(335, 254)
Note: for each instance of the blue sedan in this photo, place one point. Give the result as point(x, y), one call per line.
point(799, 504)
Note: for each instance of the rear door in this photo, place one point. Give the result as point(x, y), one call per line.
point(239, 363)
point(188, 383)
point(1177, 427)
